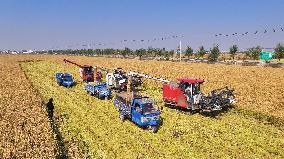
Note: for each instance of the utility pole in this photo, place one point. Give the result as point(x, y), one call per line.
point(180, 50)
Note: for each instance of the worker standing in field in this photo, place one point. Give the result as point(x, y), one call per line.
point(50, 108)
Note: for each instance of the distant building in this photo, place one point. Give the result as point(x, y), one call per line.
point(14, 52)
point(27, 51)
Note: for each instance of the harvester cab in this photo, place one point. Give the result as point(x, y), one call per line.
point(191, 89)
point(117, 79)
point(99, 75)
point(184, 94)
point(87, 73)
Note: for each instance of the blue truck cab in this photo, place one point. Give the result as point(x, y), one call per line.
point(64, 79)
point(98, 89)
point(140, 110)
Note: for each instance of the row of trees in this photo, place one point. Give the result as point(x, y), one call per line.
point(150, 52)
point(252, 53)
point(212, 55)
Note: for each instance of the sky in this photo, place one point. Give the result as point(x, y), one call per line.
point(72, 24)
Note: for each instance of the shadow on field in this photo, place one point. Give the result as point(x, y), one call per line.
point(55, 128)
point(216, 114)
point(212, 114)
point(60, 140)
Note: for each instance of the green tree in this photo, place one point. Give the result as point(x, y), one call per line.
point(254, 52)
point(279, 51)
point(247, 54)
point(171, 53)
point(214, 53)
point(155, 52)
point(159, 52)
point(149, 51)
point(233, 50)
point(140, 53)
point(125, 52)
point(188, 52)
point(201, 52)
point(162, 52)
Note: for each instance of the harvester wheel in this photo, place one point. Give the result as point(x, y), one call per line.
point(91, 94)
point(98, 95)
point(122, 117)
point(154, 129)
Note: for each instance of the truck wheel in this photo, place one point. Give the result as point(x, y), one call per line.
point(154, 129)
point(59, 84)
point(122, 117)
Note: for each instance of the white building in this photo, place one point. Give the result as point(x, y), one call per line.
point(27, 52)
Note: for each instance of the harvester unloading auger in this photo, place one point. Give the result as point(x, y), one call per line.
point(86, 71)
point(186, 94)
point(89, 73)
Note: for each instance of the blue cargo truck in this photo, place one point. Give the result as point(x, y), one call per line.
point(64, 79)
point(138, 109)
point(98, 89)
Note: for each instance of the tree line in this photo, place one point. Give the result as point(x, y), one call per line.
point(213, 54)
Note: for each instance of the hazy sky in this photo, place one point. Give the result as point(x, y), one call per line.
point(61, 24)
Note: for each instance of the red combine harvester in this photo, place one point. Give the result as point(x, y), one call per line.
point(87, 72)
point(186, 94)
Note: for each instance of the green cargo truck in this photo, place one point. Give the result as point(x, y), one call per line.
point(266, 56)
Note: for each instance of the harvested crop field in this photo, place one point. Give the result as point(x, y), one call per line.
point(24, 128)
point(250, 130)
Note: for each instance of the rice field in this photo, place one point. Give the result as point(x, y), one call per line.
point(250, 130)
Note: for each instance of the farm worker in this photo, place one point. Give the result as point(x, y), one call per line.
point(50, 108)
point(99, 75)
point(188, 93)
